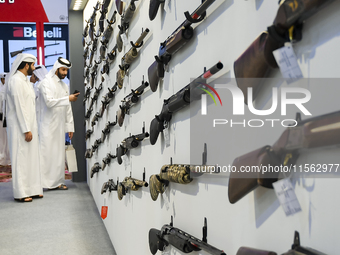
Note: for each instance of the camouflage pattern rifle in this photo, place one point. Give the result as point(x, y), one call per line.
point(130, 100)
point(130, 143)
point(103, 11)
point(109, 185)
point(181, 99)
point(257, 61)
point(153, 8)
point(311, 133)
point(125, 23)
point(107, 160)
point(107, 98)
point(88, 153)
point(106, 131)
point(182, 174)
point(296, 249)
point(130, 183)
point(95, 168)
point(88, 133)
point(175, 42)
point(159, 239)
point(92, 20)
point(129, 57)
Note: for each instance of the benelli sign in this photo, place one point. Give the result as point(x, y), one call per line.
point(28, 32)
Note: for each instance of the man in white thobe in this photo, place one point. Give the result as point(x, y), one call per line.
point(38, 75)
point(4, 152)
point(56, 119)
point(22, 130)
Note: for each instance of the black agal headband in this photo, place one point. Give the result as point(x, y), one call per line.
point(64, 62)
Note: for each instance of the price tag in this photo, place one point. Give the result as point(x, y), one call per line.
point(166, 134)
point(104, 212)
point(167, 6)
point(287, 62)
point(124, 39)
point(287, 197)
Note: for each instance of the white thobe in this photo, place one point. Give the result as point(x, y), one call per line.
point(4, 152)
point(56, 119)
point(20, 99)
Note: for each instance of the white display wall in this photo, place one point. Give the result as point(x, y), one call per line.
point(257, 220)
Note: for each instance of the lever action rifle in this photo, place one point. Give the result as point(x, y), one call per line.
point(106, 131)
point(182, 98)
point(182, 174)
point(107, 35)
point(130, 143)
point(159, 239)
point(175, 42)
point(107, 98)
point(125, 23)
point(311, 133)
point(109, 185)
point(296, 249)
point(129, 101)
point(130, 183)
point(103, 11)
point(153, 8)
point(14, 53)
point(258, 60)
point(129, 57)
point(107, 160)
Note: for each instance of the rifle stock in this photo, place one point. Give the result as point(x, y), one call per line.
point(129, 183)
point(311, 133)
point(153, 8)
point(257, 60)
point(95, 169)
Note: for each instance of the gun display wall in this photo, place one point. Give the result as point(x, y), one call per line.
point(147, 64)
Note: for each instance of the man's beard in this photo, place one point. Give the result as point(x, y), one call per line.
point(30, 71)
point(60, 75)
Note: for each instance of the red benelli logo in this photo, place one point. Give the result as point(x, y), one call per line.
point(18, 32)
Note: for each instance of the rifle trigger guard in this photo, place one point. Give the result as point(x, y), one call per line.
point(136, 46)
point(190, 19)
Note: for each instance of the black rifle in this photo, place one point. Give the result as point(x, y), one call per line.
point(107, 160)
point(159, 239)
point(92, 20)
point(125, 23)
point(88, 134)
point(55, 54)
point(175, 42)
point(296, 249)
point(107, 98)
point(85, 33)
point(182, 98)
point(106, 131)
point(95, 168)
point(129, 100)
point(130, 143)
point(87, 94)
point(95, 119)
point(103, 11)
point(129, 57)
point(153, 8)
point(88, 113)
point(257, 61)
point(14, 53)
point(109, 185)
point(130, 183)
